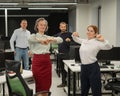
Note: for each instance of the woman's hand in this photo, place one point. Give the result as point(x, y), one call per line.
point(30, 53)
point(45, 41)
point(42, 41)
point(100, 37)
point(50, 40)
point(75, 34)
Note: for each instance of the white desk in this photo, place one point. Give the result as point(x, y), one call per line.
point(71, 66)
point(26, 74)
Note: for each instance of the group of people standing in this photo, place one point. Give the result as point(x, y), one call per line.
point(38, 46)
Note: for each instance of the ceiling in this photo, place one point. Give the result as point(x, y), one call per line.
point(38, 7)
point(41, 3)
point(38, 1)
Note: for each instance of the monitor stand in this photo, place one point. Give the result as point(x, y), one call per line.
point(77, 62)
point(108, 62)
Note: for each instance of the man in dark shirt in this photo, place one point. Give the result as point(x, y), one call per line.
point(63, 49)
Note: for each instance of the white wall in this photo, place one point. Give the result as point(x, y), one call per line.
point(108, 20)
point(83, 15)
point(82, 19)
point(72, 20)
point(93, 11)
point(86, 14)
point(118, 24)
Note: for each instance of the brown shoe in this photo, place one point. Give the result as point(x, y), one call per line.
point(61, 85)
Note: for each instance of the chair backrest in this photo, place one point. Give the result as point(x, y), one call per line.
point(42, 92)
point(53, 47)
point(16, 84)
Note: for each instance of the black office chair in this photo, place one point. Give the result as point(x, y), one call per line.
point(114, 85)
point(16, 84)
point(42, 92)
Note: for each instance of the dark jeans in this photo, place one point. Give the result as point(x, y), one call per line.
point(62, 57)
point(90, 78)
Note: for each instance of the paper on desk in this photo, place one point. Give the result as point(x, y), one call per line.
point(115, 62)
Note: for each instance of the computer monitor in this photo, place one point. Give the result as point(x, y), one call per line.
point(7, 44)
point(109, 55)
point(2, 45)
point(73, 51)
point(77, 55)
point(2, 61)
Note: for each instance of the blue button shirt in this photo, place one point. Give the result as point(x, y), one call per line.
point(20, 38)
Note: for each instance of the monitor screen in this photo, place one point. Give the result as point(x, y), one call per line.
point(73, 51)
point(109, 55)
point(2, 61)
point(2, 45)
point(77, 55)
point(6, 44)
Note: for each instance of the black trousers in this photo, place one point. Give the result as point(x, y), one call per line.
point(90, 78)
point(61, 57)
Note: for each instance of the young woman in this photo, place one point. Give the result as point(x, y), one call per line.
point(90, 70)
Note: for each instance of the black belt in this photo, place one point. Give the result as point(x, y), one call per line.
point(22, 48)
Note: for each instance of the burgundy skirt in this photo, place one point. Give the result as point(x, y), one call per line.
point(42, 72)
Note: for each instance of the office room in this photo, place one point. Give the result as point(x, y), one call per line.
point(78, 14)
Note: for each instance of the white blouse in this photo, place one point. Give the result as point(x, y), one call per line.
point(37, 48)
point(89, 49)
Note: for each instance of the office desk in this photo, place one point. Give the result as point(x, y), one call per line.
point(76, 68)
point(26, 74)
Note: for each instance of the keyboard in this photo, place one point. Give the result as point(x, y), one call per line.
point(103, 66)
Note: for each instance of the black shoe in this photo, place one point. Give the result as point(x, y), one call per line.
point(61, 85)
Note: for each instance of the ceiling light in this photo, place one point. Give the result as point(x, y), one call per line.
point(9, 3)
point(10, 8)
point(51, 3)
point(28, 15)
point(48, 8)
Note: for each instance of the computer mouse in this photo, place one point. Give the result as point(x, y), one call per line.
point(72, 64)
point(112, 67)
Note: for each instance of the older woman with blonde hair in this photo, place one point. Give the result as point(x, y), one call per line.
point(41, 64)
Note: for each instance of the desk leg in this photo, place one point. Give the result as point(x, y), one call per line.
point(74, 84)
point(57, 66)
point(68, 82)
point(3, 89)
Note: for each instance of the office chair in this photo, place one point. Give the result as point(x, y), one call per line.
point(114, 85)
point(16, 84)
point(42, 92)
point(53, 47)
